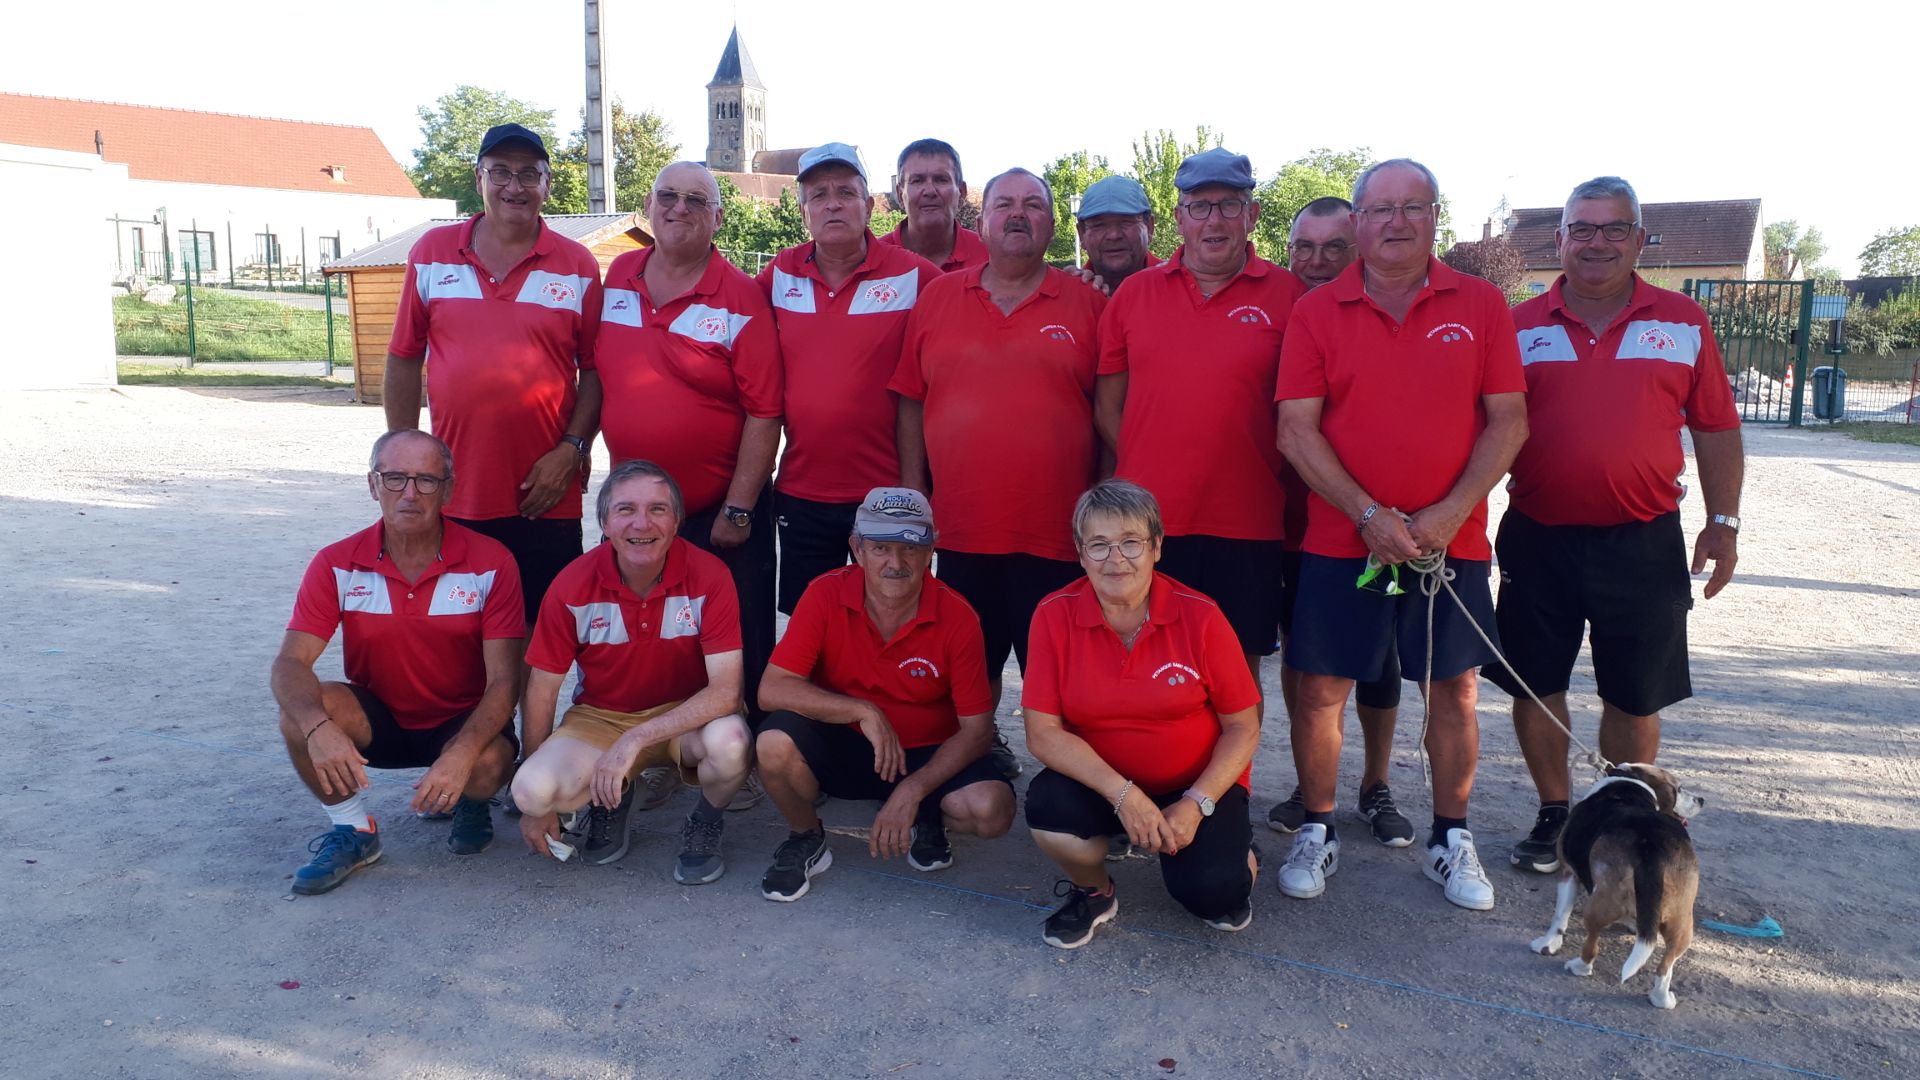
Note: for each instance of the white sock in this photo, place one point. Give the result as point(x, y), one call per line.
point(353, 811)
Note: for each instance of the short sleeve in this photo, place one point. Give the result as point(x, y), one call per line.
point(1303, 362)
point(1230, 686)
point(1501, 372)
point(409, 339)
point(1710, 404)
point(966, 659)
point(909, 376)
point(505, 615)
point(720, 615)
point(316, 608)
point(1113, 337)
point(798, 650)
point(555, 643)
point(587, 336)
point(756, 359)
point(1041, 691)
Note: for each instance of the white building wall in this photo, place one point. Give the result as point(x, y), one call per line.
point(53, 296)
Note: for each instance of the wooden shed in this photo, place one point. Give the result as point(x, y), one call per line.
point(374, 276)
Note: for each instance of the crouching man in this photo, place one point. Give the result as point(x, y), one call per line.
point(654, 624)
point(879, 691)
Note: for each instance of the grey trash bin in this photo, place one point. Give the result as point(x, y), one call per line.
point(1829, 393)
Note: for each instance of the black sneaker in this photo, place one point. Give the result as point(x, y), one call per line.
point(1390, 826)
point(472, 827)
point(606, 840)
point(1002, 757)
point(1072, 924)
point(700, 860)
point(796, 861)
point(1287, 817)
point(1236, 920)
point(1540, 851)
point(930, 850)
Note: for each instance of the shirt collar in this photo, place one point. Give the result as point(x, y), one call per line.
point(544, 242)
point(1049, 285)
point(967, 245)
point(1643, 296)
point(798, 260)
point(708, 284)
point(1256, 267)
point(1352, 283)
point(369, 550)
point(1161, 606)
point(606, 570)
point(853, 593)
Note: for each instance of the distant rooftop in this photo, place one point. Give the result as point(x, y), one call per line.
point(1714, 233)
point(393, 250)
point(736, 66)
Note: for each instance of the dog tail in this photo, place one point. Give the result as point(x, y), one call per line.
point(1649, 884)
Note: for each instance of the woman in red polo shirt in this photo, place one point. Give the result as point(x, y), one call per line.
point(1141, 707)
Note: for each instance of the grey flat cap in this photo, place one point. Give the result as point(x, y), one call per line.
point(833, 153)
point(1216, 166)
point(1113, 195)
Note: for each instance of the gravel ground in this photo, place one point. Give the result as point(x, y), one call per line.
point(153, 538)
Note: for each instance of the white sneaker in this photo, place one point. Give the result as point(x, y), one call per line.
point(1457, 867)
point(1313, 859)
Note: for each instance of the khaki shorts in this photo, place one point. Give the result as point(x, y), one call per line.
point(600, 728)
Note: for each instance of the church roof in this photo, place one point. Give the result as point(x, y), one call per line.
point(736, 67)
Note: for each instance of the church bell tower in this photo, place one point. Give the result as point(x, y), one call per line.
point(736, 110)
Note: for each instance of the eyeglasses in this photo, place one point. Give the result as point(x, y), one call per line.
point(1413, 211)
point(501, 176)
point(1332, 249)
point(423, 483)
point(667, 200)
point(1200, 209)
point(1100, 550)
point(1612, 230)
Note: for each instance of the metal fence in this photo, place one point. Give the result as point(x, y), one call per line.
point(1792, 354)
point(206, 324)
point(234, 256)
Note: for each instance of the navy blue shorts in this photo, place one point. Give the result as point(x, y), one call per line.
point(1381, 693)
point(1350, 632)
point(395, 747)
point(841, 760)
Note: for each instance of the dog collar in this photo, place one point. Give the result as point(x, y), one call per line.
point(1605, 780)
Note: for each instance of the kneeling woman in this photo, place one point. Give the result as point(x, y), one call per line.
point(1139, 703)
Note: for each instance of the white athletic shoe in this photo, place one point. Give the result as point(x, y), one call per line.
point(1457, 868)
point(1313, 859)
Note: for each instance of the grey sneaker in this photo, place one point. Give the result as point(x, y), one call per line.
point(657, 784)
point(700, 860)
point(750, 793)
point(607, 839)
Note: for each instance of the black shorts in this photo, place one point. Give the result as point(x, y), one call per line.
point(1004, 590)
point(1353, 632)
point(1243, 576)
point(1209, 877)
point(395, 747)
point(541, 548)
point(841, 760)
point(1627, 585)
point(1381, 693)
point(813, 541)
point(752, 567)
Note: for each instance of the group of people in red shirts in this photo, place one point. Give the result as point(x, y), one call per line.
point(1149, 475)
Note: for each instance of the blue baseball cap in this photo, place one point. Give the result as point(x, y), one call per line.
point(506, 133)
point(896, 514)
point(833, 153)
point(1216, 166)
point(1113, 195)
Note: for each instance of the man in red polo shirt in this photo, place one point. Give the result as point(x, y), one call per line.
point(691, 366)
point(929, 187)
point(654, 628)
point(507, 308)
point(1188, 352)
point(996, 410)
point(840, 304)
point(1115, 223)
point(1320, 246)
point(1402, 404)
point(1591, 538)
point(877, 691)
point(430, 613)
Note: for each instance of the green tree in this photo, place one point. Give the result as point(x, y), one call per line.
point(1070, 175)
point(642, 146)
point(1320, 173)
point(450, 133)
point(753, 231)
point(1793, 253)
point(1156, 159)
point(1894, 253)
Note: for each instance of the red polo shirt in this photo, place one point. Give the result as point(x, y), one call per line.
point(1605, 410)
point(416, 645)
point(838, 348)
point(1401, 402)
point(682, 377)
point(637, 654)
point(1009, 410)
point(1153, 711)
point(503, 358)
point(928, 675)
point(969, 251)
point(1198, 430)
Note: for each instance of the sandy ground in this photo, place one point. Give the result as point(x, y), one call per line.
point(152, 539)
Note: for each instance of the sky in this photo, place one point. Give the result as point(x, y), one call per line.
point(1802, 106)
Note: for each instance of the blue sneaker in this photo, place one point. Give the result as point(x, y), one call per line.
point(472, 827)
point(336, 853)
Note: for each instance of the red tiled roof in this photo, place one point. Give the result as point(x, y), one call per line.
point(764, 187)
point(208, 148)
point(1716, 233)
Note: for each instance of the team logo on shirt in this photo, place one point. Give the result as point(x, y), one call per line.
point(619, 304)
point(1537, 344)
point(450, 279)
point(919, 667)
point(1252, 314)
point(1450, 332)
point(684, 620)
point(680, 616)
point(459, 593)
point(1058, 333)
point(882, 292)
point(793, 292)
point(1653, 337)
point(358, 592)
point(712, 326)
point(598, 622)
point(1176, 674)
point(559, 292)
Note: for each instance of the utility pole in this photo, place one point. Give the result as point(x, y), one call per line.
point(599, 156)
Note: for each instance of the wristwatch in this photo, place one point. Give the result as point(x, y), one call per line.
point(1729, 520)
point(580, 445)
point(1206, 804)
point(738, 517)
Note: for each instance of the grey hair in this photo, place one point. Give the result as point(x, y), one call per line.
point(986, 193)
point(1323, 207)
point(627, 470)
point(1360, 183)
point(1603, 187)
point(380, 444)
point(1123, 499)
point(865, 192)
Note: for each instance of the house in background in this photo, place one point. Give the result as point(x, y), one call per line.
point(59, 331)
point(234, 197)
point(1721, 239)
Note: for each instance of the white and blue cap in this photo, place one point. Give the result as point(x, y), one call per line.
point(1216, 166)
point(1113, 195)
point(894, 514)
point(833, 153)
